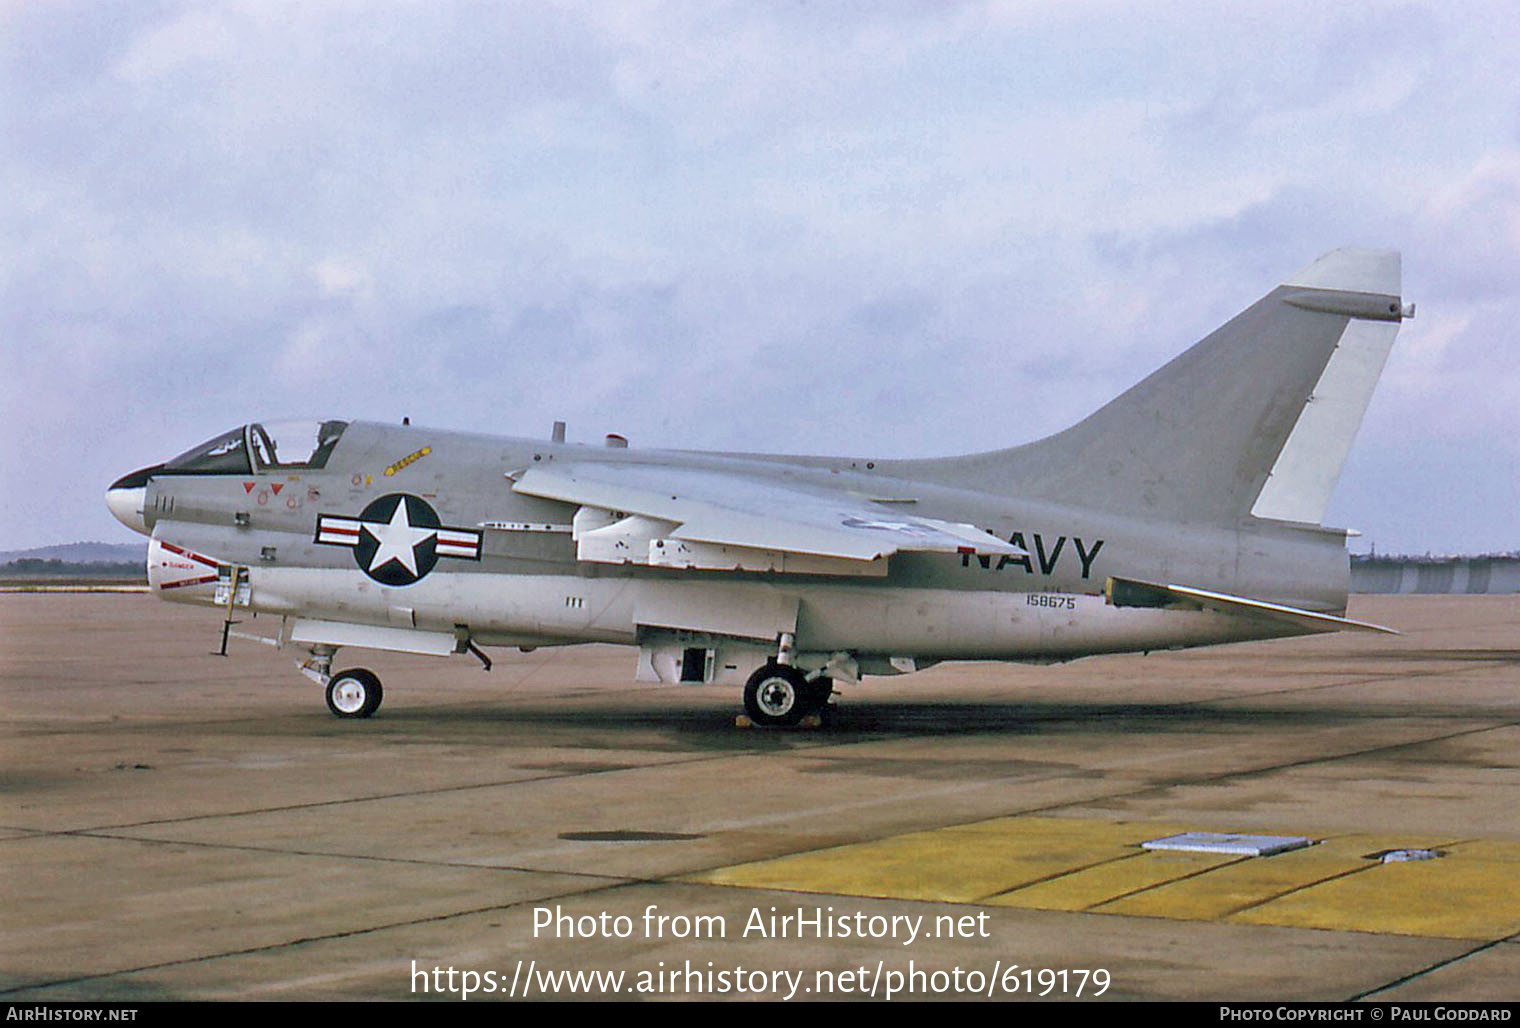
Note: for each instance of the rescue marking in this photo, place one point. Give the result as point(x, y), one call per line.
point(410, 458)
point(191, 555)
point(205, 579)
point(188, 555)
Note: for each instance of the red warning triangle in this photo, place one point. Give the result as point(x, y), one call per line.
point(248, 487)
point(277, 486)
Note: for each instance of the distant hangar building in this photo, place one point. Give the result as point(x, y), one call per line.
point(1489, 574)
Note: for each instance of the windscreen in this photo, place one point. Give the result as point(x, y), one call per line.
point(227, 454)
point(294, 444)
point(277, 446)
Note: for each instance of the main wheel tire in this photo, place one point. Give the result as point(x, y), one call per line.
point(777, 695)
point(354, 693)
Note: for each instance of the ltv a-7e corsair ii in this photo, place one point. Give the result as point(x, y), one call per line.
point(1184, 513)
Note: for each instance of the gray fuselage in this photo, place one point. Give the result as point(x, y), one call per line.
point(528, 588)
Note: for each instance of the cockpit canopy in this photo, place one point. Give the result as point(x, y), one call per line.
point(262, 446)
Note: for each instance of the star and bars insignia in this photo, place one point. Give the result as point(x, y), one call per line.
point(398, 538)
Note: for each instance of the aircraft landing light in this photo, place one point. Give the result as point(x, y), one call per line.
point(1102, 867)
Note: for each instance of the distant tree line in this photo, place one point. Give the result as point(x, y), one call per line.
point(37, 567)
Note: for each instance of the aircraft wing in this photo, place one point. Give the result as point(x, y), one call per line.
point(719, 520)
point(1125, 592)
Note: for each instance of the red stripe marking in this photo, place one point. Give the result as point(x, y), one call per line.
point(188, 581)
point(190, 554)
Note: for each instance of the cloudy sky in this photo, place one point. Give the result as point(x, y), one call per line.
point(891, 229)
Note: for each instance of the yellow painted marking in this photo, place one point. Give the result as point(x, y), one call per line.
point(410, 458)
point(1088, 888)
point(1242, 884)
point(1486, 849)
point(1463, 895)
point(1259, 880)
point(960, 864)
point(1075, 864)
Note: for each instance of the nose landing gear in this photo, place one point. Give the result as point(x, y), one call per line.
point(354, 693)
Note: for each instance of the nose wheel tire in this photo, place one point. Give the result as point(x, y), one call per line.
point(778, 696)
point(354, 693)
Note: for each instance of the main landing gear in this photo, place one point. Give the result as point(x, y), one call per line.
point(781, 695)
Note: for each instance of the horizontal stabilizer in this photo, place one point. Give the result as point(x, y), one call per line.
point(1125, 592)
point(686, 517)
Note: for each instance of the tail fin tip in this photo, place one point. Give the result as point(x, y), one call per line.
point(1304, 474)
point(1354, 270)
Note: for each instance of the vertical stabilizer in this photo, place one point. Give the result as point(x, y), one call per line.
point(1256, 419)
point(1302, 478)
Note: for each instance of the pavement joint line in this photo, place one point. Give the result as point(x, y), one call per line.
point(1226, 775)
point(91, 728)
point(1369, 866)
point(283, 808)
point(1353, 681)
point(1070, 803)
point(799, 886)
point(307, 940)
point(1093, 907)
point(279, 851)
point(1059, 874)
point(1182, 782)
point(1438, 965)
point(400, 719)
point(821, 744)
point(1337, 876)
point(1160, 708)
point(1365, 680)
point(1131, 794)
point(1362, 680)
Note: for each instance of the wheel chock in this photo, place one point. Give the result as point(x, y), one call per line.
point(810, 721)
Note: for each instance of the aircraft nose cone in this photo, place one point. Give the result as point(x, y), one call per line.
point(128, 496)
point(127, 506)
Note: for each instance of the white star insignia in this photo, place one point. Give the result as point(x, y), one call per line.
point(398, 540)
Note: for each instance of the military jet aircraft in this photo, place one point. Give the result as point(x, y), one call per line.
point(1186, 512)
